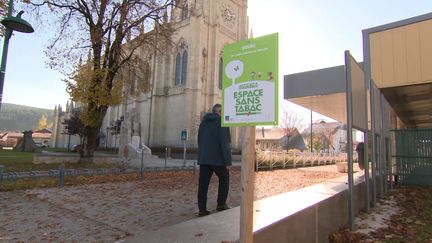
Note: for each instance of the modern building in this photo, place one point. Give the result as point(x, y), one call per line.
point(388, 96)
point(277, 139)
point(330, 135)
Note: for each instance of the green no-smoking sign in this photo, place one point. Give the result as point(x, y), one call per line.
point(250, 82)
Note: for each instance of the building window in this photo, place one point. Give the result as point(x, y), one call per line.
point(181, 68)
point(132, 79)
point(185, 12)
point(184, 67)
point(178, 69)
point(220, 73)
point(181, 64)
point(143, 81)
point(132, 85)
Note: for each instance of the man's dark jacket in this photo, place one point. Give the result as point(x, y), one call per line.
point(214, 142)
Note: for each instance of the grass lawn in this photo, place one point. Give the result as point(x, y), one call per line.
point(22, 161)
point(48, 182)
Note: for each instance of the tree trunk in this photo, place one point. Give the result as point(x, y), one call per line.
point(89, 145)
point(91, 134)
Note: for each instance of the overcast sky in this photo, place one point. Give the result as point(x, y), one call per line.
point(313, 34)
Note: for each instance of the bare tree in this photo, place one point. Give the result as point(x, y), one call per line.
point(110, 33)
point(3, 14)
point(329, 132)
point(290, 121)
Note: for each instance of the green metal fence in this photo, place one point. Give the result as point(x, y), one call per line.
point(413, 156)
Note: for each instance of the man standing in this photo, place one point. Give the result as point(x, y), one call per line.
point(214, 155)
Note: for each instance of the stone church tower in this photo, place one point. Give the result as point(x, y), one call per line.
point(59, 138)
point(185, 82)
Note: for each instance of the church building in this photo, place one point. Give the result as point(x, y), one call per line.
point(184, 82)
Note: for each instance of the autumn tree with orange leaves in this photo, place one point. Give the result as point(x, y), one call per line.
point(108, 34)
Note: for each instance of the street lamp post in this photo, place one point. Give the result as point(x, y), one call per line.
point(11, 23)
point(311, 135)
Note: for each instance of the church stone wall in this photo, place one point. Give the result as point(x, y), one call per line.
point(166, 109)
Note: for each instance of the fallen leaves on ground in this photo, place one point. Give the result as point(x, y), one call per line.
point(413, 223)
point(106, 208)
point(344, 235)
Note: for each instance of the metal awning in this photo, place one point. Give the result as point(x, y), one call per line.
point(322, 91)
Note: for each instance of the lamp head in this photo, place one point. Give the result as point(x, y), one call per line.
point(17, 23)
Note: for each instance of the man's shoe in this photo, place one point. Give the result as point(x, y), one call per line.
point(203, 213)
point(222, 207)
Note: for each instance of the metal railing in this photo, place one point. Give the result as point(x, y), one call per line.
point(412, 156)
point(283, 159)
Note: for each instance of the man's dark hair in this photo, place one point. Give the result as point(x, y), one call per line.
point(217, 108)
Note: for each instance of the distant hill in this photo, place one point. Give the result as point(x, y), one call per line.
point(20, 118)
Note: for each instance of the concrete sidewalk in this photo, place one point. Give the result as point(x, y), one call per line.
point(149, 210)
point(268, 212)
point(217, 227)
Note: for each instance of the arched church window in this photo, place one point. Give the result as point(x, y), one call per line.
point(178, 69)
point(132, 75)
point(146, 73)
point(132, 86)
point(185, 12)
point(181, 64)
point(184, 67)
point(220, 73)
point(143, 81)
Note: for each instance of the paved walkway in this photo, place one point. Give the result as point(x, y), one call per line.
point(225, 226)
point(111, 211)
